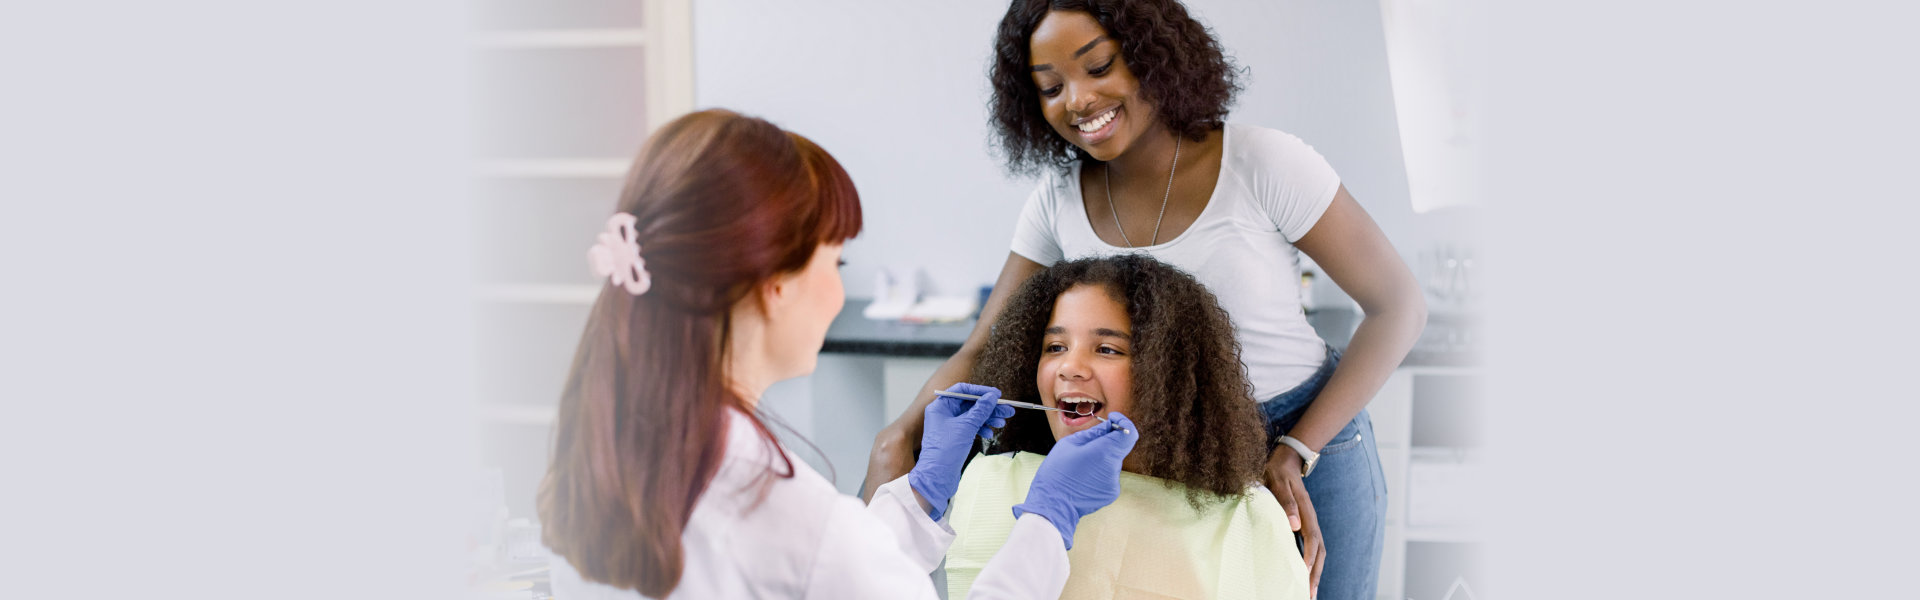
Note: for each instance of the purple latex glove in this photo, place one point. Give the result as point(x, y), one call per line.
point(947, 436)
point(1080, 475)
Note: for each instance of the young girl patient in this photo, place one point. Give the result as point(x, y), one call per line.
point(1133, 335)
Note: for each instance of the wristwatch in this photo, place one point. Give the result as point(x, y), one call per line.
point(1308, 458)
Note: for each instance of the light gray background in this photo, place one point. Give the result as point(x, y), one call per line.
point(235, 324)
point(1702, 315)
point(1702, 325)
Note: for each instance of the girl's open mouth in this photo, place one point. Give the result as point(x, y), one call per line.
point(1080, 410)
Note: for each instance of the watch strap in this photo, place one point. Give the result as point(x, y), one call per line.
point(1307, 456)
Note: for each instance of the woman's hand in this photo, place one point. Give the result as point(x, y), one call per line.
point(895, 445)
point(1283, 479)
point(951, 425)
point(1080, 475)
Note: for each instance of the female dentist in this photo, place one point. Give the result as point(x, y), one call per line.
point(723, 276)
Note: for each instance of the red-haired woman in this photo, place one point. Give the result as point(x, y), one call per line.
point(723, 276)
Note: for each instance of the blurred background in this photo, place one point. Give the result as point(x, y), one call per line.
point(249, 325)
point(565, 92)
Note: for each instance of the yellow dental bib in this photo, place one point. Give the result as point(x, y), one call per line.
point(1148, 544)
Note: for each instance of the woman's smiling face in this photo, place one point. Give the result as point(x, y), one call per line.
point(1086, 91)
point(1086, 358)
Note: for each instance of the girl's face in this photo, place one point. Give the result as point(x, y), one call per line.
point(1086, 358)
point(797, 332)
point(1086, 91)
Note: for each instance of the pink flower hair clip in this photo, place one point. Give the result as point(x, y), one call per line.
point(616, 255)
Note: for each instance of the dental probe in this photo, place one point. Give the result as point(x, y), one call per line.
point(1031, 405)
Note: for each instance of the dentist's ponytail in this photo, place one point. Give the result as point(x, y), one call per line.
point(720, 203)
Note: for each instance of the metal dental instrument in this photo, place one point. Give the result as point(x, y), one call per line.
point(1020, 404)
point(1017, 403)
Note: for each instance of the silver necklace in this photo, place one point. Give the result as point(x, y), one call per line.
point(1107, 172)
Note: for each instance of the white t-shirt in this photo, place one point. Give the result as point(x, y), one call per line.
point(1273, 187)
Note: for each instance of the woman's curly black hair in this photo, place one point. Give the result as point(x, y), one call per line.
point(1183, 73)
point(1191, 397)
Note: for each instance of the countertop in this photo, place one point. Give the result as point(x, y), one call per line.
point(1447, 341)
point(852, 333)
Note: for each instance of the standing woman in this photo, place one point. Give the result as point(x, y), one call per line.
point(723, 276)
point(1119, 105)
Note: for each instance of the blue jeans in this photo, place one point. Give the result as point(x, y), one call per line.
point(1347, 488)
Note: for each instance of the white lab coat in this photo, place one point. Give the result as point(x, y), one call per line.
point(807, 540)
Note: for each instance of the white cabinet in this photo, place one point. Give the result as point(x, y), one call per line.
point(903, 379)
point(1392, 419)
point(1426, 421)
point(839, 409)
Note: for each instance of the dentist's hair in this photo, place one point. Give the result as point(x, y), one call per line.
point(723, 203)
point(1191, 397)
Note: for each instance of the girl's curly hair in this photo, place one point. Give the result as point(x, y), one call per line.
point(1183, 72)
point(1191, 398)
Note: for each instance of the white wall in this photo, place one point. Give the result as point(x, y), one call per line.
point(897, 91)
point(1319, 71)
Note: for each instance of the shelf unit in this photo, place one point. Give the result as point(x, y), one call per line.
point(1425, 418)
point(1456, 534)
point(563, 38)
point(562, 168)
point(565, 93)
point(539, 293)
point(513, 414)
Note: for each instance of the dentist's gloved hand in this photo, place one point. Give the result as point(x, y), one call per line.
point(947, 435)
point(1080, 475)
